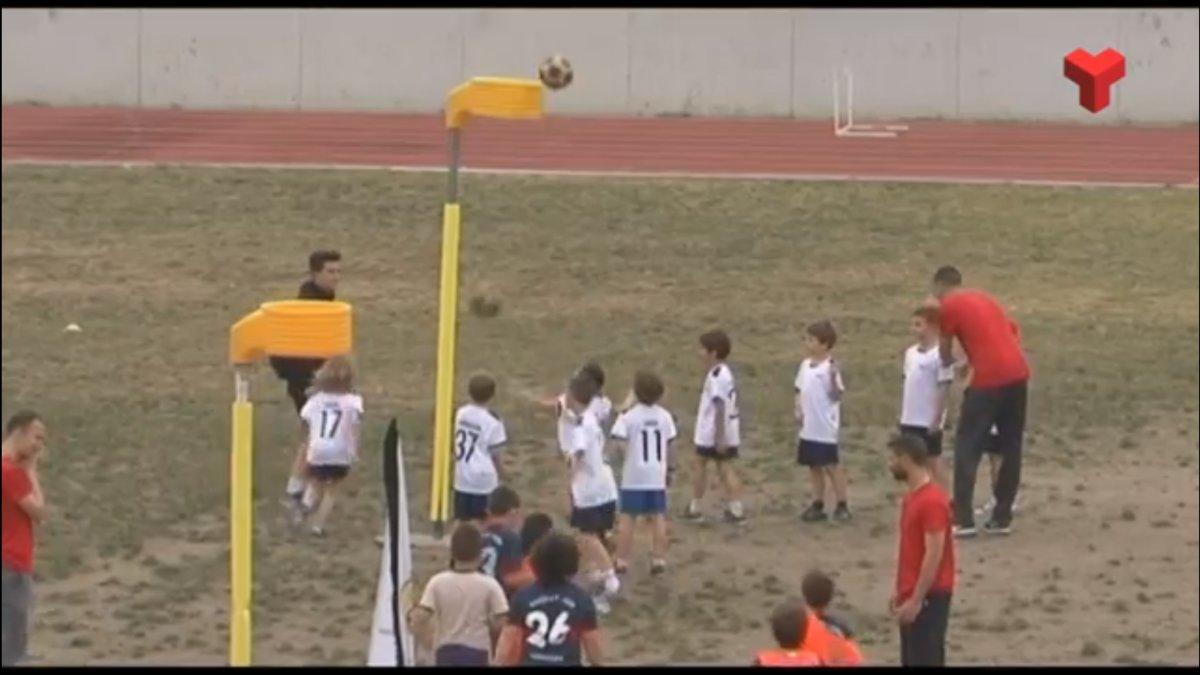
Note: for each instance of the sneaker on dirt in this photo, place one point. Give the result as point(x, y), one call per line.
point(814, 514)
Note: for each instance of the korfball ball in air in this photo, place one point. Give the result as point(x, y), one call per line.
point(556, 72)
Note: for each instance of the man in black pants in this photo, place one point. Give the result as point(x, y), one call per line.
point(325, 271)
point(925, 557)
point(996, 396)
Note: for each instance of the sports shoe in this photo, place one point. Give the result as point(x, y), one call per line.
point(993, 527)
point(693, 513)
point(732, 517)
point(842, 513)
point(964, 532)
point(814, 514)
point(317, 532)
point(658, 567)
point(620, 566)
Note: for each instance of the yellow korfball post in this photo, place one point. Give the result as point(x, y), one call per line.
point(506, 98)
point(298, 328)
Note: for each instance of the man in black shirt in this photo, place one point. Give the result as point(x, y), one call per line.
point(325, 271)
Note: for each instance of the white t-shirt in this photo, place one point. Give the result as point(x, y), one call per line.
point(718, 386)
point(648, 431)
point(822, 414)
point(592, 481)
point(478, 438)
point(924, 379)
point(601, 408)
point(331, 420)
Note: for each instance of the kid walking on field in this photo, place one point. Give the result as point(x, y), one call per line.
point(819, 389)
point(331, 419)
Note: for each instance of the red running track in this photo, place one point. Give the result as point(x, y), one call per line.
point(936, 151)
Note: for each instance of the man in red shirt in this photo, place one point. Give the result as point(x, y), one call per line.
point(925, 557)
point(996, 396)
point(22, 506)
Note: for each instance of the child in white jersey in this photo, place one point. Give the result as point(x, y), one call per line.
point(718, 428)
point(926, 383)
point(600, 408)
point(331, 419)
point(819, 389)
point(479, 437)
point(593, 492)
point(647, 430)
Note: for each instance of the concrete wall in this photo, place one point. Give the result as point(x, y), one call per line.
point(968, 64)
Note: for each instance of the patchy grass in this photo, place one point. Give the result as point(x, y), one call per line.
point(155, 264)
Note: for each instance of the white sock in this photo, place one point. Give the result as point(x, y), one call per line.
point(294, 486)
point(612, 584)
point(694, 506)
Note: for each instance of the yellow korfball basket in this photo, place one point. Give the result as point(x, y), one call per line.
point(301, 328)
point(297, 328)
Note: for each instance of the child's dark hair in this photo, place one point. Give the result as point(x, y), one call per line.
point(929, 314)
point(647, 387)
point(817, 589)
point(789, 624)
point(583, 388)
point(481, 388)
point(555, 558)
point(716, 342)
point(594, 371)
point(20, 421)
point(466, 543)
point(317, 259)
point(824, 332)
point(911, 446)
point(948, 275)
point(536, 525)
point(503, 501)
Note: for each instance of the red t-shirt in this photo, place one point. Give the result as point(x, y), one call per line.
point(18, 526)
point(924, 510)
point(991, 340)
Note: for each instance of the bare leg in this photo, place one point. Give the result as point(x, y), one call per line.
point(625, 524)
point(699, 479)
point(325, 493)
point(295, 484)
point(818, 483)
point(729, 480)
point(661, 541)
point(837, 475)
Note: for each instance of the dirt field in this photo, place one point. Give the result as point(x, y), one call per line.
point(155, 264)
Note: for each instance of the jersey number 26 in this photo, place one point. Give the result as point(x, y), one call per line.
point(543, 632)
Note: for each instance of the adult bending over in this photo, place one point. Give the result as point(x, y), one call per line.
point(996, 395)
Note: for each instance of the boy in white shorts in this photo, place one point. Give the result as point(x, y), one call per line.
point(479, 437)
point(647, 430)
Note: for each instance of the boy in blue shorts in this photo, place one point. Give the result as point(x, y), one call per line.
point(647, 430)
point(819, 389)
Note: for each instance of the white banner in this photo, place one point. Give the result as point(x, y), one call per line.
point(383, 633)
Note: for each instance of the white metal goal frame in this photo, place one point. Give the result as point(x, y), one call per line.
point(850, 129)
